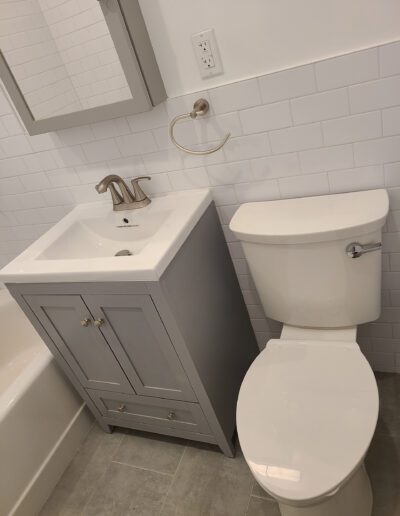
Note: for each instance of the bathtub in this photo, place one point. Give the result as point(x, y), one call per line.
point(42, 418)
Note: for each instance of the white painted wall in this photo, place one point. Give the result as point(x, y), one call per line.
point(261, 36)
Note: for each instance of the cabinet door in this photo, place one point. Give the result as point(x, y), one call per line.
point(83, 347)
point(137, 336)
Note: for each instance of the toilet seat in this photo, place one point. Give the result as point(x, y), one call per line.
point(306, 414)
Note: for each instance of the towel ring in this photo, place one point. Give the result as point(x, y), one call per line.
point(200, 108)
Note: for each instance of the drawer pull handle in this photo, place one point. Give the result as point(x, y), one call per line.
point(98, 322)
point(121, 408)
point(85, 322)
point(171, 416)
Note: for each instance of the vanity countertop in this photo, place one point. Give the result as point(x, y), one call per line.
point(82, 246)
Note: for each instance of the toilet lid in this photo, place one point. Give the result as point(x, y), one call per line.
point(306, 414)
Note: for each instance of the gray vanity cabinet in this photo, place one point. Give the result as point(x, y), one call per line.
point(158, 413)
point(136, 334)
point(165, 356)
point(83, 347)
point(107, 339)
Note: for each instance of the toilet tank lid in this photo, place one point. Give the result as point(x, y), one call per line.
point(311, 219)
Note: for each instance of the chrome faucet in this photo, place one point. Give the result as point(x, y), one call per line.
point(125, 199)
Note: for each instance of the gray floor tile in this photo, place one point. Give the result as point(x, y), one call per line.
point(125, 490)
point(383, 466)
point(389, 403)
point(262, 507)
point(156, 452)
point(259, 491)
point(209, 484)
point(206, 483)
point(82, 475)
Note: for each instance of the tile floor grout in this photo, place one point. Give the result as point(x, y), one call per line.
point(144, 469)
point(173, 478)
point(262, 497)
point(103, 474)
point(248, 501)
point(94, 488)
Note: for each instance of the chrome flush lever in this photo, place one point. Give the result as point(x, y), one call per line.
point(355, 249)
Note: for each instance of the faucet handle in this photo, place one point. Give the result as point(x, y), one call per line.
point(137, 191)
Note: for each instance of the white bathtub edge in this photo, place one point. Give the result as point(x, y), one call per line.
point(42, 484)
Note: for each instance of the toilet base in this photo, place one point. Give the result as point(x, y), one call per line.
point(354, 498)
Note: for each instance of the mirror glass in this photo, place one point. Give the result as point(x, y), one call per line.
point(62, 55)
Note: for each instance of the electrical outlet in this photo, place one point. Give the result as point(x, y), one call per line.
point(207, 53)
point(208, 62)
point(204, 46)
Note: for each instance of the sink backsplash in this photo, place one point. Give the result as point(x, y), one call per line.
point(332, 126)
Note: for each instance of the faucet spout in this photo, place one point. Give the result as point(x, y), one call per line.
point(124, 200)
point(106, 183)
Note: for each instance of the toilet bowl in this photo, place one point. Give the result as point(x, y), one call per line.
point(308, 405)
point(306, 414)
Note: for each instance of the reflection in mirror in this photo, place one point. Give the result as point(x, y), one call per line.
point(62, 55)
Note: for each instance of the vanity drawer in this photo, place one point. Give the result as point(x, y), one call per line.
point(154, 412)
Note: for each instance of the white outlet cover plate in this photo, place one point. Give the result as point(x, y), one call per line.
point(211, 50)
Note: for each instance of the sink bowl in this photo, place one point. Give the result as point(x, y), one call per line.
point(94, 243)
point(99, 232)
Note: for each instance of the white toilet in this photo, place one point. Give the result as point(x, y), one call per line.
point(308, 405)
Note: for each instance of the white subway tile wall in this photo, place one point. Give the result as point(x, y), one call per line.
point(332, 126)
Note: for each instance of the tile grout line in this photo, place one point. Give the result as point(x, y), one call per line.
point(93, 490)
point(141, 468)
point(172, 481)
point(263, 498)
point(249, 500)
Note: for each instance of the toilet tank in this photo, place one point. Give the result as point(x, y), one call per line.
point(297, 252)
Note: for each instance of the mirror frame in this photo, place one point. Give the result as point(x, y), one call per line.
point(133, 46)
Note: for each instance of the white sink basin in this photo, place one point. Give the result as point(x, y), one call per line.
point(98, 232)
point(84, 244)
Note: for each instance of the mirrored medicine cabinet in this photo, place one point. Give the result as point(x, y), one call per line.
point(66, 63)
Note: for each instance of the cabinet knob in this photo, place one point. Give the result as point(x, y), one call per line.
point(85, 322)
point(98, 322)
point(121, 408)
point(171, 416)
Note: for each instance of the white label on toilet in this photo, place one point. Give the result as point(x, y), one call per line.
point(293, 475)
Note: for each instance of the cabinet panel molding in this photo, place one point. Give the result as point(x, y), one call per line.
point(137, 336)
point(84, 347)
point(151, 411)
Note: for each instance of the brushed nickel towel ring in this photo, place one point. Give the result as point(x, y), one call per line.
point(200, 107)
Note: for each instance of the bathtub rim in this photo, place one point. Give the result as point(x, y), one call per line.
point(15, 391)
